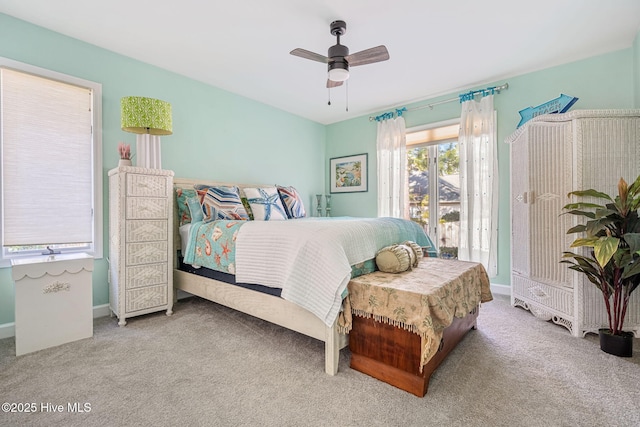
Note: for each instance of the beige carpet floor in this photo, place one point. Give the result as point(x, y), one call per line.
point(211, 366)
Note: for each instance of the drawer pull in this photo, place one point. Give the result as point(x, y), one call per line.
point(146, 275)
point(538, 292)
point(56, 287)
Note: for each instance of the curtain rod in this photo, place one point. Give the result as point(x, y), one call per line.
point(467, 95)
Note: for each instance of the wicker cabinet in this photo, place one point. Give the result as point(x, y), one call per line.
point(551, 156)
point(141, 240)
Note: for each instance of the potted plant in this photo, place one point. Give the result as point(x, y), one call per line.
point(125, 154)
point(612, 262)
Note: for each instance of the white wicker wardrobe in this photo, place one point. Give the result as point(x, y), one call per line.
point(552, 155)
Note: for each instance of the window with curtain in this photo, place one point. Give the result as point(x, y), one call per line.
point(478, 181)
point(51, 170)
point(393, 197)
point(433, 165)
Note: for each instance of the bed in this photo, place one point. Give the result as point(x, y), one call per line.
point(313, 319)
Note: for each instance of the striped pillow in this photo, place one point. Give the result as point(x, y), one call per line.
point(292, 202)
point(222, 202)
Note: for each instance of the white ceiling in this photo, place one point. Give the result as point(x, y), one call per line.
point(436, 46)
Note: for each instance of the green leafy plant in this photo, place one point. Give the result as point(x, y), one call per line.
point(612, 232)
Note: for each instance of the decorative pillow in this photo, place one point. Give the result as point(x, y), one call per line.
point(265, 204)
point(247, 208)
point(182, 196)
point(195, 208)
point(398, 258)
point(222, 202)
point(201, 191)
point(417, 250)
point(292, 202)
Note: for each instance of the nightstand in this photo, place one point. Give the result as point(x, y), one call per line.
point(54, 303)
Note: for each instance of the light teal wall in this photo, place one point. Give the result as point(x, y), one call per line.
point(604, 81)
point(636, 68)
point(217, 135)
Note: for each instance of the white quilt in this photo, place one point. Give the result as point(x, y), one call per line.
point(310, 259)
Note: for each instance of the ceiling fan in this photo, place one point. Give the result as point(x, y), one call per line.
point(338, 58)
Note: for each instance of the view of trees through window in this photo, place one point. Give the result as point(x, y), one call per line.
point(434, 192)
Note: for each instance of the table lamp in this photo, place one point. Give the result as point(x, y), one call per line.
point(148, 118)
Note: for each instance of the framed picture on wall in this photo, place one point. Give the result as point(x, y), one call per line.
point(349, 174)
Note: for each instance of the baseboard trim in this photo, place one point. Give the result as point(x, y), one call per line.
point(8, 330)
point(101, 310)
point(500, 289)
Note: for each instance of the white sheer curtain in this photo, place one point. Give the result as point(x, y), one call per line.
point(393, 187)
point(478, 183)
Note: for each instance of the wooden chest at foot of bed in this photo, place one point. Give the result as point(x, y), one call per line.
point(402, 321)
point(392, 354)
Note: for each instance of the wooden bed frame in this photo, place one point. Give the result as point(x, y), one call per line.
point(263, 306)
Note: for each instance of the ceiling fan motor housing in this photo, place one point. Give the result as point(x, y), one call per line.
point(336, 57)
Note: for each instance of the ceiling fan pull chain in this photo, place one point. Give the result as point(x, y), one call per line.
point(329, 91)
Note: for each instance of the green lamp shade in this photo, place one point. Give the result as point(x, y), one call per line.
point(146, 115)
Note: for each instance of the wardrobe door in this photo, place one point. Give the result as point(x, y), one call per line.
point(610, 150)
point(520, 235)
point(550, 175)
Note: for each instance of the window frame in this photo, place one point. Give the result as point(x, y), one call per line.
point(432, 146)
point(95, 248)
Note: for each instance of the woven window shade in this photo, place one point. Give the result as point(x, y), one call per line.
point(46, 161)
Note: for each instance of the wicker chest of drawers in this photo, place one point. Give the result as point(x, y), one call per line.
point(140, 241)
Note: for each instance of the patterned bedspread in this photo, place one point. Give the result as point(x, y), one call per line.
point(310, 259)
point(213, 245)
point(424, 300)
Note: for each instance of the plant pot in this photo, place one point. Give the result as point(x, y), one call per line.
point(124, 162)
point(618, 345)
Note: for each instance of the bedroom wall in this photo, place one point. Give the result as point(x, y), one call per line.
point(217, 135)
point(604, 81)
point(220, 135)
point(636, 68)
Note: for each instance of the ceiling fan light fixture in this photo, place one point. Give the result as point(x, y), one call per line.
point(338, 74)
point(338, 57)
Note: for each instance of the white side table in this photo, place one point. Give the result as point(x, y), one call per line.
point(54, 302)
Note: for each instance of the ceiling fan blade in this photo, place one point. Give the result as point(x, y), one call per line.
point(368, 56)
point(331, 83)
point(302, 53)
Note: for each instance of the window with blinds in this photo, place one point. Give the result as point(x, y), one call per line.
point(50, 180)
